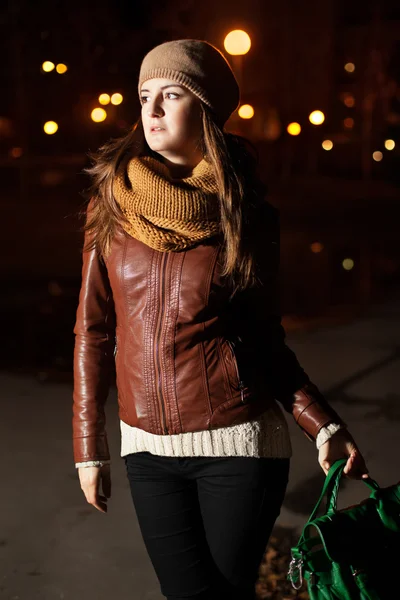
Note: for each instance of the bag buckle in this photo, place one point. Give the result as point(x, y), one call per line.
point(296, 572)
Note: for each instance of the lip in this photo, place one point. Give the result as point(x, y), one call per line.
point(153, 130)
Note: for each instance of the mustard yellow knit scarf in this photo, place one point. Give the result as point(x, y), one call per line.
point(167, 214)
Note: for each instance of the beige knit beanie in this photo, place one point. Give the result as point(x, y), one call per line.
point(199, 66)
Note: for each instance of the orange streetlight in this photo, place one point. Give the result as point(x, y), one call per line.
point(237, 43)
point(390, 144)
point(50, 127)
point(116, 99)
point(317, 117)
point(104, 99)
point(377, 156)
point(98, 115)
point(327, 145)
point(294, 128)
point(350, 67)
point(246, 111)
point(48, 66)
point(61, 68)
point(316, 247)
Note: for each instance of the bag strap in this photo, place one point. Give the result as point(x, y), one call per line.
point(331, 479)
point(331, 489)
point(332, 493)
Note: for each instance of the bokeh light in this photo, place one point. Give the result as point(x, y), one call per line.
point(48, 66)
point(349, 100)
point(317, 117)
point(104, 99)
point(294, 128)
point(61, 68)
point(98, 115)
point(350, 67)
point(327, 144)
point(246, 111)
point(16, 152)
point(50, 127)
point(316, 247)
point(237, 42)
point(6, 127)
point(116, 99)
point(377, 156)
point(348, 264)
point(348, 123)
point(389, 144)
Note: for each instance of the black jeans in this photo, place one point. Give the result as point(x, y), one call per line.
point(206, 521)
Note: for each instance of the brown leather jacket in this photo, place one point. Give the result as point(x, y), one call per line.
point(187, 358)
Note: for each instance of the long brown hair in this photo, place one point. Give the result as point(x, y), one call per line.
point(235, 162)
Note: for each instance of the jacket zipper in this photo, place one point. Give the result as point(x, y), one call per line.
point(241, 383)
point(157, 344)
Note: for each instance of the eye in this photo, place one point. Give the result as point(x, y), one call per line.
point(143, 98)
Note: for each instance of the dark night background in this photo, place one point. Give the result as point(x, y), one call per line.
point(339, 208)
point(335, 205)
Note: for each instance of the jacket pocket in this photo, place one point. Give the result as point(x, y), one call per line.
point(120, 376)
point(232, 371)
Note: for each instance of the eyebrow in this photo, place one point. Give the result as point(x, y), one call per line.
point(166, 86)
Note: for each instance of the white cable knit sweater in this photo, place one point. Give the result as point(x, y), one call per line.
point(266, 436)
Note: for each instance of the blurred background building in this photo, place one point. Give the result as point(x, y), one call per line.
point(320, 101)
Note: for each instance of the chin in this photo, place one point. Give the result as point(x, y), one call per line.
point(154, 144)
point(158, 148)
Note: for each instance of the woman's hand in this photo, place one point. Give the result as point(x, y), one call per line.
point(342, 445)
point(90, 478)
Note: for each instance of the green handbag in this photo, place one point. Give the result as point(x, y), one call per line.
point(352, 553)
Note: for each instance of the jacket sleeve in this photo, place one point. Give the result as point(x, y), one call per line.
point(93, 360)
point(263, 328)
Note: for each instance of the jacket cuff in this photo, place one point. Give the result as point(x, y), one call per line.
point(91, 448)
point(311, 411)
point(92, 463)
point(325, 433)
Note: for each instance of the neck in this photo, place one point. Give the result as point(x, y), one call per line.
point(181, 167)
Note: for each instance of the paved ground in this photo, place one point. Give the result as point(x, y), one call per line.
point(54, 545)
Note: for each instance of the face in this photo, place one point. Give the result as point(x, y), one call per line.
point(175, 112)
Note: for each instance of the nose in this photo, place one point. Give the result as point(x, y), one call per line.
point(154, 109)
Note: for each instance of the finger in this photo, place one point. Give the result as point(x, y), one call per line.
point(363, 471)
point(101, 506)
point(349, 468)
point(100, 500)
point(99, 503)
point(324, 466)
point(359, 469)
point(106, 484)
point(360, 474)
point(350, 463)
point(96, 500)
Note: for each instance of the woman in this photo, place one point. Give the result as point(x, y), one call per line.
point(180, 289)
